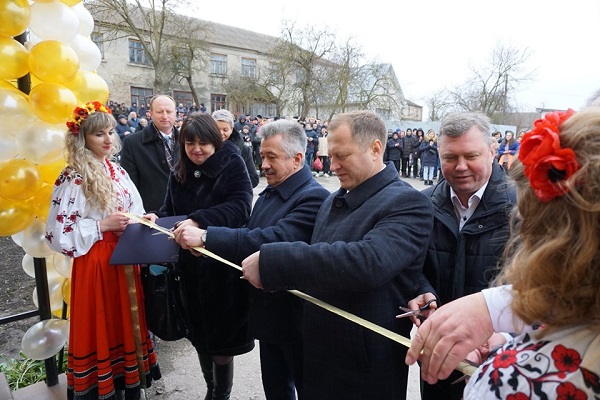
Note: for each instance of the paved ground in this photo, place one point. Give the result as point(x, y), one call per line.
point(182, 379)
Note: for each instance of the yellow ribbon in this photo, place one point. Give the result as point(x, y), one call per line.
point(463, 367)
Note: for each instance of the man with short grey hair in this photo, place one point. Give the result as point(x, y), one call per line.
point(471, 224)
point(285, 211)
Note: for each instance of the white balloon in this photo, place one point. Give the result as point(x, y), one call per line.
point(55, 293)
point(8, 146)
point(45, 339)
point(34, 242)
point(86, 21)
point(54, 21)
point(14, 112)
point(32, 40)
point(17, 238)
point(29, 267)
point(63, 265)
point(42, 142)
point(88, 53)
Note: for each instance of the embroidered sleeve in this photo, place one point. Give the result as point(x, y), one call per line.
point(69, 229)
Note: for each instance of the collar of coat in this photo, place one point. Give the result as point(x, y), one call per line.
point(151, 134)
point(288, 187)
point(216, 163)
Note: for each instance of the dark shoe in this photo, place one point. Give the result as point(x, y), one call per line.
point(223, 379)
point(206, 365)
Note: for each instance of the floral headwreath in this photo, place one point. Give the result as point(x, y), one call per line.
point(81, 113)
point(545, 162)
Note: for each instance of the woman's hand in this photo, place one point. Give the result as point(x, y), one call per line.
point(151, 217)
point(116, 222)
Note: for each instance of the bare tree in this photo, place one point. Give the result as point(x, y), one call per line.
point(439, 104)
point(153, 23)
point(491, 87)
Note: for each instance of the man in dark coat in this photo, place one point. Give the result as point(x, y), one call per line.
point(365, 256)
point(394, 150)
point(149, 155)
point(285, 211)
point(471, 224)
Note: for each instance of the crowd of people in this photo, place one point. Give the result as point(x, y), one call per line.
point(375, 244)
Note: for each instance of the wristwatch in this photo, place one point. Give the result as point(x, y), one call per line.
point(203, 237)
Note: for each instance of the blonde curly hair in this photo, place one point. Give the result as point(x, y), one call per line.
point(553, 256)
point(97, 185)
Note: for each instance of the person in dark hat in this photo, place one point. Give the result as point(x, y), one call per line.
point(239, 124)
point(122, 126)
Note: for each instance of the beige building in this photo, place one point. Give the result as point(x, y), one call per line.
point(228, 53)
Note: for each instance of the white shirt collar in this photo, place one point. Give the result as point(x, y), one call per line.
point(463, 213)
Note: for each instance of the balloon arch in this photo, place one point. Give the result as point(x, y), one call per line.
point(58, 60)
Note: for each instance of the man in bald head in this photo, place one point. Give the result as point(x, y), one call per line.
point(149, 155)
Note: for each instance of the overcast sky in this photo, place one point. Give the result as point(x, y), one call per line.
point(431, 44)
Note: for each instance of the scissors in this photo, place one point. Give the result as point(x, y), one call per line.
point(170, 230)
point(417, 313)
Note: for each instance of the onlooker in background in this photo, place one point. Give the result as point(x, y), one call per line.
point(108, 327)
point(285, 211)
point(224, 121)
point(239, 124)
point(324, 152)
point(133, 121)
point(181, 109)
point(133, 108)
point(122, 109)
point(312, 144)
point(210, 185)
point(149, 155)
point(193, 108)
point(409, 143)
point(394, 150)
point(507, 150)
point(141, 112)
point(429, 157)
point(122, 127)
point(365, 256)
point(143, 123)
point(203, 108)
point(417, 170)
point(470, 227)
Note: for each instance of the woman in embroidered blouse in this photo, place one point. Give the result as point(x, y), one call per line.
point(210, 185)
point(110, 353)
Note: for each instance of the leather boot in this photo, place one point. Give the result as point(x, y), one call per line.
point(206, 365)
point(223, 379)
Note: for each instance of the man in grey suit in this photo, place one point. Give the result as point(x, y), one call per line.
point(365, 256)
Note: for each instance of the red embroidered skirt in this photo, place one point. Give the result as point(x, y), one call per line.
point(102, 354)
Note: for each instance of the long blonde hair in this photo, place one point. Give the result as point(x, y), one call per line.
point(97, 185)
point(553, 257)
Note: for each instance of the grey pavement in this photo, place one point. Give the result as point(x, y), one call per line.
point(182, 379)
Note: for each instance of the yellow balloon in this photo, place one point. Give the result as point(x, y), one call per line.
point(41, 202)
point(89, 86)
point(53, 61)
point(70, 3)
point(14, 17)
point(66, 291)
point(14, 59)
point(19, 179)
point(52, 102)
point(15, 215)
point(12, 87)
point(49, 172)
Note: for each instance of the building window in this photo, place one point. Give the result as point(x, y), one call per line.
point(137, 55)
point(185, 98)
point(248, 68)
point(98, 39)
point(218, 101)
point(218, 64)
point(274, 73)
point(141, 96)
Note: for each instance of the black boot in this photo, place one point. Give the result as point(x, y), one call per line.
point(206, 365)
point(223, 379)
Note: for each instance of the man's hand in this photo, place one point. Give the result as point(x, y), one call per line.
point(151, 217)
point(448, 335)
point(250, 270)
point(419, 302)
point(188, 236)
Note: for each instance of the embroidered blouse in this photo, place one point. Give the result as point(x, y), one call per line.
point(72, 226)
point(564, 364)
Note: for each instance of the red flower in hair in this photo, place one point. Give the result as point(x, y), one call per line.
point(545, 162)
point(81, 113)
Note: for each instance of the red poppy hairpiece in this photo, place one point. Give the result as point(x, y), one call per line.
point(545, 162)
point(81, 113)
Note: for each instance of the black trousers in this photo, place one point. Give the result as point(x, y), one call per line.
point(405, 167)
point(443, 389)
point(281, 369)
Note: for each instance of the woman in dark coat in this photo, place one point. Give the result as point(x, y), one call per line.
point(210, 185)
point(225, 123)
